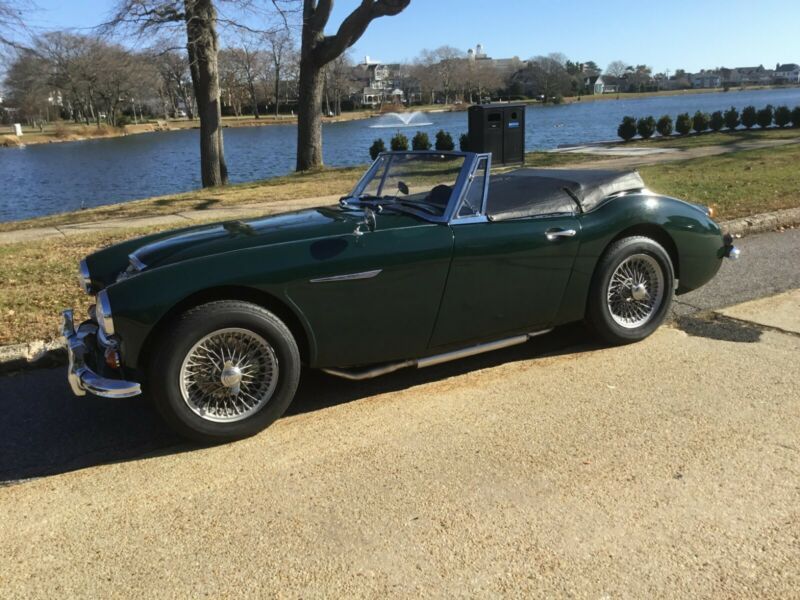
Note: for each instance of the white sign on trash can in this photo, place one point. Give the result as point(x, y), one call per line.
point(17, 129)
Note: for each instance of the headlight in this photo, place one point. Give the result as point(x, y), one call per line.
point(84, 277)
point(104, 318)
point(711, 212)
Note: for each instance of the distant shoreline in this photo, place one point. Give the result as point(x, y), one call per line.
point(71, 132)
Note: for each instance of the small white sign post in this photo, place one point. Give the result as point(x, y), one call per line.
point(17, 130)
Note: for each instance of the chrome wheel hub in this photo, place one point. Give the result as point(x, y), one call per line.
point(229, 375)
point(635, 291)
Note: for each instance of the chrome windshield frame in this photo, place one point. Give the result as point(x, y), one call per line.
point(384, 161)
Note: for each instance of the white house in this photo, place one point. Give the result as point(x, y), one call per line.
point(788, 73)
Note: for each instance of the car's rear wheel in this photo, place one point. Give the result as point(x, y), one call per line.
point(223, 371)
point(631, 290)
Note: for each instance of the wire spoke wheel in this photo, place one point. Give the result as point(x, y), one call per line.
point(229, 375)
point(635, 291)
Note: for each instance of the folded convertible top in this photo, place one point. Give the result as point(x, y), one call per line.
point(529, 192)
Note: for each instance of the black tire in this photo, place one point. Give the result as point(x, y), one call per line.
point(181, 336)
point(599, 314)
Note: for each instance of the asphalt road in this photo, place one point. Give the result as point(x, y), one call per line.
point(45, 430)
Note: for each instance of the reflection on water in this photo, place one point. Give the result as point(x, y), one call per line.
point(51, 178)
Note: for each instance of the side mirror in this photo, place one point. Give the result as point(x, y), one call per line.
point(370, 222)
point(401, 185)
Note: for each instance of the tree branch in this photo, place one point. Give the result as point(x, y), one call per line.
point(353, 27)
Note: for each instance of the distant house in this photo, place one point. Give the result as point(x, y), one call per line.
point(381, 83)
point(788, 73)
point(606, 84)
point(706, 79)
point(751, 75)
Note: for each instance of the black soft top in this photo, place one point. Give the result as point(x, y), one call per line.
point(530, 192)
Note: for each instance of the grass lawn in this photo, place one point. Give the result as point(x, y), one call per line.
point(39, 279)
point(736, 184)
point(722, 138)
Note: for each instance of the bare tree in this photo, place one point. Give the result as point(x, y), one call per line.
point(12, 23)
point(249, 58)
point(317, 50)
point(202, 44)
point(616, 68)
point(279, 47)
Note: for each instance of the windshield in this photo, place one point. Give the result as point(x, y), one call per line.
point(422, 182)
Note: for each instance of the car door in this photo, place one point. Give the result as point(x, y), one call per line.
point(505, 276)
point(377, 300)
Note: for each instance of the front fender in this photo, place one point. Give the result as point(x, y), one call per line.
point(139, 303)
point(696, 239)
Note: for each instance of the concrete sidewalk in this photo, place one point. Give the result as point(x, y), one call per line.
point(186, 218)
point(666, 468)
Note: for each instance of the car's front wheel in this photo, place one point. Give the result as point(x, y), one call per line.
point(631, 290)
point(224, 371)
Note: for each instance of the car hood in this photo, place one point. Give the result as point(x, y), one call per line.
point(237, 235)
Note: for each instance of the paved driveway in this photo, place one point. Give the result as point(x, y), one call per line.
point(670, 467)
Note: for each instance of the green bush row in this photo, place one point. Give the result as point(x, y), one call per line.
point(420, 141)
point(700, 121)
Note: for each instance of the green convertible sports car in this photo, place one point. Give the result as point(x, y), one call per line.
point(430, 258)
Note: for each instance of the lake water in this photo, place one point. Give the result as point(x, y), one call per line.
point(51, 178)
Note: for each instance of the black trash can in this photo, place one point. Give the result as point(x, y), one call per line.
point(499, 129)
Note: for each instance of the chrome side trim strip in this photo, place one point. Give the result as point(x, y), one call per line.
point(348, 277)
point(436, 359)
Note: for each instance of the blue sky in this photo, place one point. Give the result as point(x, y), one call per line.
point(669, 34)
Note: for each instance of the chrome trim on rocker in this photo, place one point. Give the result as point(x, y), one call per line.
point(437, 359)
point(81, 378)
point(348, 277)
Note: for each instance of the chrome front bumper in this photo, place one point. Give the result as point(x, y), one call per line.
point(81, 378)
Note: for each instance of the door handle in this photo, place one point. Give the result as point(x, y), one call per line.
point(553, 234)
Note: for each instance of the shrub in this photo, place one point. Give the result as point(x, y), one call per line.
point(664, 125)
point(749, 116)
point(420, 141)
point(627, 129)
point(796, 117)
point(444, 141)
point(731, 117)
point(399, 143)
point(646, 127)
point(683, 124)
point(377, 147)
point(463, 142)
point(783, 116)
point(717, 121)
point(764, 116)
point(700, 121)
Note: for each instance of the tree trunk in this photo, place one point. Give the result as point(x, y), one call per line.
point(202, 48)
point(277, 90)
point(309, 118)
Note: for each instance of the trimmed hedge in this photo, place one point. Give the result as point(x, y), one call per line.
point(377, 147)
point(683, 124)
point(399, 143)
point(444, 141)
point(627, 129)
point(664, 126)
point(731, 117)
point(420, 141)
point(646, 127)
point(749, 116)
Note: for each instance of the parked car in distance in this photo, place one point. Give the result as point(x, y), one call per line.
point(430, 258)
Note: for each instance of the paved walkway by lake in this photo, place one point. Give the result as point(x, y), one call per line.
point(190, 217)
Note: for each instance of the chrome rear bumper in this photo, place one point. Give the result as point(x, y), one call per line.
point(81, 378)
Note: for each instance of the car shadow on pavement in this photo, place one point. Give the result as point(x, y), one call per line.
point(46, 431)
point(319, 390)
point(719, 327)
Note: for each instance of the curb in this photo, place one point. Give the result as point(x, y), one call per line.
point(40, 354)
point(764, 222)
